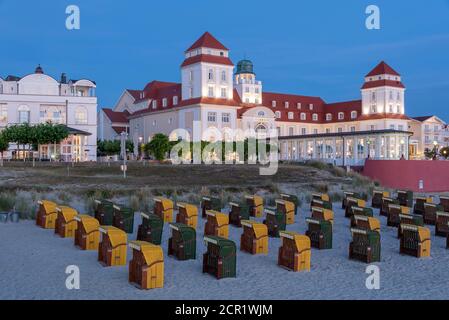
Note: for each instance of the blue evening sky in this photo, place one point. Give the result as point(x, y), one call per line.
point(318, 47)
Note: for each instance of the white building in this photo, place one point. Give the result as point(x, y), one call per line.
point(210, 92)
point(428, 132)
point(39, 98)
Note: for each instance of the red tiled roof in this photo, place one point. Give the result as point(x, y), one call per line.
point(134, 93)
point(207, 41)
point(382, 68)
point(115, 116)
point(120, 129)
point(382, 83)
point(207, 58)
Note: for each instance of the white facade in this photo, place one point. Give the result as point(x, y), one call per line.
point(39, 98)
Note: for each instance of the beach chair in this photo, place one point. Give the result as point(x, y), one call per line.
point(366, 223)
point(320, 233)
point(365, 245)
point(275, 221)
point(415, 241)
point(87, 234)
point(217, 224)
point(112, 248)
point(405, 198)
point(255, 204)
point(163, 208)
point(323, 214)
point(394, 210)
point(146, 268)
point(123, 218)
point(430, 212)
point(287, 208)
point(210, 203)
point(187, 214)
point(349, 194)
point(441, 224)
point(376, 201)
point(295, 251)
point(220, 259)
point(353, 202)
point(46, 214)
point(254, 238)
point(65, 225)
point(104, 212)
point(239, 212)
point(410, 219)
point(182, 243)
point(418, 208)
point(444, 202)
point(291, 198)
point(385, 205)
point(321, 200)
point(151, 228)
point(360, 211)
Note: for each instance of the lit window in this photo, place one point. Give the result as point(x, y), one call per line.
point(175, 100)
point(298, 105)
point(315, 117)
point(341, 115)
point(286, 104)
point(290, 115)
point(303, 116)
point(328, 117)
point(154, 104)
point(273, 103)
point(210, 91)
point(211, 116)
point(353, 114)
point(311, 106)
point(225, 117)
point(81, 115)
point(164, 102)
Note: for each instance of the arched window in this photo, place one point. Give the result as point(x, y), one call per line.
point(328, 117)
point(80, 115)
point(24, 114)
point(315, 117)
point(353, 114)
point(303, 116)
point(341, 116)
point(277, 114)
point(261, 114)
point(290, 115)
point(223, 75)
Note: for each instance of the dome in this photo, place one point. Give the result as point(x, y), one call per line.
point(244, 66)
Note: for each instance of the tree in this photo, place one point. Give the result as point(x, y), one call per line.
point(431, 153)
point(444, 152)
point(3, 146)
point(158, 146)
